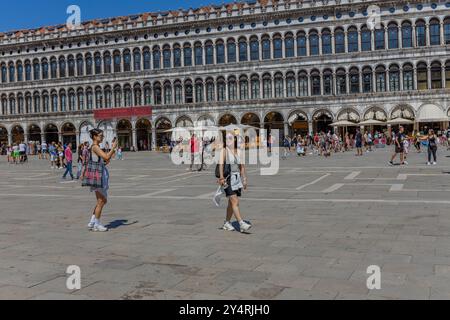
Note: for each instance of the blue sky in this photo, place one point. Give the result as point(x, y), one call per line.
point(29, 14)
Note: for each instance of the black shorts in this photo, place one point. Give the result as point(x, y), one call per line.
point(399, 149)
point(229, 192)
point(22, 153)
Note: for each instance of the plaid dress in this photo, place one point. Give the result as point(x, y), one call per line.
point(105, 178)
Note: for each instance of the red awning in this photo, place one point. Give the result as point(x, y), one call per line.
point(105, 114)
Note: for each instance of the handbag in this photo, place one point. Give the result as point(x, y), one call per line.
point(93, 173)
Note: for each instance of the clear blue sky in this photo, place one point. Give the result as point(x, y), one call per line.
point(29, 14)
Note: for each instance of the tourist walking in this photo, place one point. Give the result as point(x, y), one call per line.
point(97, 164)
point(233, 178)
point(431, 138)
point(68, 157)
point(399, 146)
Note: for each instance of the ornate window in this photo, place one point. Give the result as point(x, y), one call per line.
point(277, 47)
point(178, 92)
point(313, 43)
point(339, 39)
point(231, 51)
point(156, 57)
point(209, 90)
point(326, 42)
point(315, 83)
point(380, 75)
point(188, 92)
point(108, 98)
point(98, 63)
point(447, 74)
point(89, 99)
point(341, 82)
point(19, 72)
point(209, 52)
point(4, 74)
point(37, 103)
point(89, 64)
point(303, 84)
point(435, 32)
point(27, 71)
point(46, 101)
point(137, 95)
point(176, 56)
point(117, 97)
point(127, 96)
point(221, 95)
point(98, 98)
point(290, 84)
point(167, 57)
point(63, 101)
point(367, 80)
point(265, 42)
point(408, 77)
point(279, 85)
point(220, 52)
point(53, 68)
point(199, 90)
point(147, 94)
point(126, 61)
point(198, 54)
point(255, 87)
point(436, 75)
point(393, 35)
point(147, 57)
point(422, 76)
point(327, 82)
point(72, 100)
point(167, 93)
point(354, 80)
point(71, 66)
point(54, 102)
point(394, 78)
point(379, 38)
point(366, 39)
point(107, 62)
point(187, 52)
point(243, 88)
point(243, 55)
point(447, 30)
point(232, 88)
point(407, 40)
point(157, 93)
point(353, 41)
point(267, 86)
point(421, 36)
point(301, 44)
point(137, 59)
point(80, 66)
point(80, 95)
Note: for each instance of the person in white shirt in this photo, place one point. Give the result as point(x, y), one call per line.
point(22, 151)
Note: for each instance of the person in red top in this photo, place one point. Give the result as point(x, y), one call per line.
point(194, 149)
point(69, 158)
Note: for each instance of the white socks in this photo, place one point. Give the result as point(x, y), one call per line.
point(94, 220)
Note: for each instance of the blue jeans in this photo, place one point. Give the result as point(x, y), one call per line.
point(68, 170)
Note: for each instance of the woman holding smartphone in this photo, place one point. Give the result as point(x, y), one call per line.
point(233, 183)
point(96, 154)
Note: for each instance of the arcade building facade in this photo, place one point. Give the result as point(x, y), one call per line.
point(298, 66)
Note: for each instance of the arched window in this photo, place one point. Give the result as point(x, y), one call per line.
point(198, 54)
point(107, 62)
point(380, 75)
point(12, 105)
point(422, 76)
point(4, 74)
point(232, 88)
point(231, 51)
point(209, 52)
point(156, 57)
point(98, 63)
point(20, 104)
point(54, 102)
point(254, 48)
point(265, 42)
point(28, 103)
point(341, 82)
point(279, 85)
point(339, 39)
point(53, 68)
point(188, 92)
point(421, 35)
point(147, 94)
point(46, 102)
point(80, 66)
point(44, 69)
point(4, 106)
point(313, 43)
point(353, 41)
point(108, 97)
point(447, 74)
point(221, 94)
point(277, 47)
point(243, 88)
point(126, 61)
point(37, 103)
point(301, 44)
point(243, 55)
point(393, 35)
point(36, 70)
point(178, 92)
point(63, 100)
point(326, 42)
point(408, 77)
point(187, 52)
point(89, 99)
point(394, 78)
point(27, 71)
point(210, 90)
point(255, 87)
point(289, 46)
point(220, 52)
point(327, 82)
point(436, 75)
point(98, 98)
point(315, 83)
point(354, 80)
point(366, 39)
point(72, 100)
point(198, 90)
point(71, 66)
point(62, 67)
point(117, 97)
point(303, 84)
point(147, 58)
point(290, 84)
point(137, 95)
point(89, 64)
point(19, 72)
point(367, 79)
point(447, 30)
point(167, 57)
point(407, 40)
point(379, 38)
point(435, 32)
point(267, 86)
point(167, 92)
point(80, 95)
point(157, 93)
point(137, 60)
point(176, 56)
point(127, 96)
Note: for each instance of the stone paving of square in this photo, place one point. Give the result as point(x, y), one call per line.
point(317, 226)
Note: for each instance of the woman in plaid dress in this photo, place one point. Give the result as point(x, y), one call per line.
point(97, 154)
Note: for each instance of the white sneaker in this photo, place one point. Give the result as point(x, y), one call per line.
point(428, 164)
point(91, 225)
point(434, 163)
point(244, 226)
point(99, 228)
point(228, 226)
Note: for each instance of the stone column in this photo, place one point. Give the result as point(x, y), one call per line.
point(415, 79)
point(427, 34)
point(443, 76)
point(429, 77)
point(9, 138)
point(441, 29)
point(286, 129)
point(42, 137)
point(310, 126)
point(401, 79)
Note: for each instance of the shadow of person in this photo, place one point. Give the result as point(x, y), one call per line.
point(119, 223)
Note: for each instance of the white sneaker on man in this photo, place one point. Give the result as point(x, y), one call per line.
point(434, 163)
point(99, 228)
point(244, 226)
point(227, 226)
point(91, 225)
point(428, 164)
